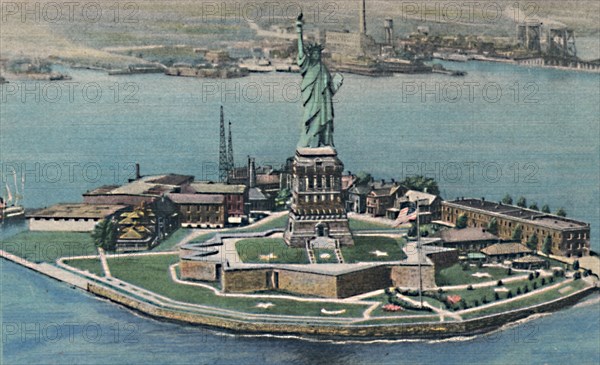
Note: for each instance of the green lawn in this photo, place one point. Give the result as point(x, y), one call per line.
point(455, 275)
point(49, 246)
point(361, 225)
point(251, 250)
point(383, 298)
point(489, 293)
point(364, 246)
point(151, 273)
point(91, 265)
point(260, 227)
point(171, 241)
point(321, 260)
point(529, 301)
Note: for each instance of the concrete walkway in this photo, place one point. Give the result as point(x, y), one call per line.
point(195, 233)
point(48, 270)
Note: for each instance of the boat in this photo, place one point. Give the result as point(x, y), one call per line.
point(10, 209)
point(258, 66)
point(139, 69)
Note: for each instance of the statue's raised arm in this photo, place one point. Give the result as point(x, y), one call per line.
point(318, 89)
point(299, 25)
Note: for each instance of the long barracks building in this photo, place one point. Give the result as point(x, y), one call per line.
point(569, 237)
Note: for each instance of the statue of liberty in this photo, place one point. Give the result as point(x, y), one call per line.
point(317, 89)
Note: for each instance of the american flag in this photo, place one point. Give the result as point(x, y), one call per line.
point(405, 216)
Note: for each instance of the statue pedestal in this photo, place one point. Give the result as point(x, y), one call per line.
point(317, 210)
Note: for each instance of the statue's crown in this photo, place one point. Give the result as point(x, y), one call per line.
point(314, 47)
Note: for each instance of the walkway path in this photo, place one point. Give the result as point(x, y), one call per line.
point(195, 233)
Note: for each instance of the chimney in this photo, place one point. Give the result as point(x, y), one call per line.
point(251, 172)
point(137, 171)
point(363, 17)
point(388, 26)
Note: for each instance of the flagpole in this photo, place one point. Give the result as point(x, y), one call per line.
point(419, 255)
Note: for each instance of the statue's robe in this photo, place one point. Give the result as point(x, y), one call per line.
point(317, 89)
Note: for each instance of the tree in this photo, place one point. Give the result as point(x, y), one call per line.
point(534, 206)
point(105, 235)
point(282, 198)
point(522, 202)
point(576, 265)
point(547, 247)
point(363, 178)
point(412, 231)
point(493, 226)
point(545, 209)
point(561, 212)
point(421, 183)
point(517, 233)
point(461, 222)
point(507, 199)
point(532, 242)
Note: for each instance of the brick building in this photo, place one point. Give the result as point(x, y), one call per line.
point(236, 198)
point(569, 237)
point(201, 210)
point(383, 197)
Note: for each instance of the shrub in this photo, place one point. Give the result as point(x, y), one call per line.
point(577, 275)
point(470, 287)
point(576, 265)
point(519, 292)
point(499, 283)
point(484, 300)
point(543, 282)
point(461, 221)
point(551, 279)
point(537, 274)
point(509, 272)
point(530, 277)
point(496, 296)
point(559, 273)
point(440, 290)
point(510, 294)
point(535, 285)
point(526, 290)
point(475, 303)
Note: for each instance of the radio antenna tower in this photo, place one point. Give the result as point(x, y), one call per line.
point(230, 150)
point(223, 161)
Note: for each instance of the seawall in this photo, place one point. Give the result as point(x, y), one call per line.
point(426, 330)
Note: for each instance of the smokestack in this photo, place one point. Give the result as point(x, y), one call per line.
point(389, 31)
point(137, 171)
point(251, 172)
point(363, 17)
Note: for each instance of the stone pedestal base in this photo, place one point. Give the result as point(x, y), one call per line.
point(317, 208)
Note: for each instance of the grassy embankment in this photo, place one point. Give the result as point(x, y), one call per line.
point(255, 250)
point(151, 273)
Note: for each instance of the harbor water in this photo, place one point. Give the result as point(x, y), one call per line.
point(500, 129)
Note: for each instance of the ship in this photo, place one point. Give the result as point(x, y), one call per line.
point(151, 68)
point(10, 209)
